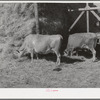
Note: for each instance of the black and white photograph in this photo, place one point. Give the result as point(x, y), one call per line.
point(49, 45)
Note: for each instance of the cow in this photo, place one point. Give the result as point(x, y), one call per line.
point(41, 44)
point(82, 40)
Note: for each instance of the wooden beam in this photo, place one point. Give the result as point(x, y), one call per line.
point(36, 17)
point(85, 9)
point(89, 8)
point(76, 20)
point(95, 15)
point(87, 16)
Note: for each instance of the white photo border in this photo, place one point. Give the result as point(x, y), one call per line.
point(49, 93)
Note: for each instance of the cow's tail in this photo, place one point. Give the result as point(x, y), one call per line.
point(61, 37)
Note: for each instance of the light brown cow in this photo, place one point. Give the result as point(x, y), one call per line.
point(82, 40)
point(41, 44)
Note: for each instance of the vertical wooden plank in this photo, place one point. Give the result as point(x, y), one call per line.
point(87, 21)
point(36, 17)
point(87, 15)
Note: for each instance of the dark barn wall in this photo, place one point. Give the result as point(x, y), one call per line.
point(58, 12)
point(56, 15)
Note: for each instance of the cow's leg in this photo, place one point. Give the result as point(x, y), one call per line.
point(58, 59)
point(76, 53)
point(71, 52)
point(32, 55)
point(37, 56)
point(94, 54)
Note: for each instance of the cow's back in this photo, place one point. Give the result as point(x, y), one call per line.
point(90, 39)
point(43, 43)
point(78, 39)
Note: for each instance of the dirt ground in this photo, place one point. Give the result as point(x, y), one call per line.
point(74, 73)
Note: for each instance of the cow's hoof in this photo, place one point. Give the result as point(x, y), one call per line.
point(57, 69)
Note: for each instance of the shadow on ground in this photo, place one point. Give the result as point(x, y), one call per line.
point(52, 57)
point(64, 59)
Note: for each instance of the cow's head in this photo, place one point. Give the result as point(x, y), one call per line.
point(18, 53)
point(15, 54)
